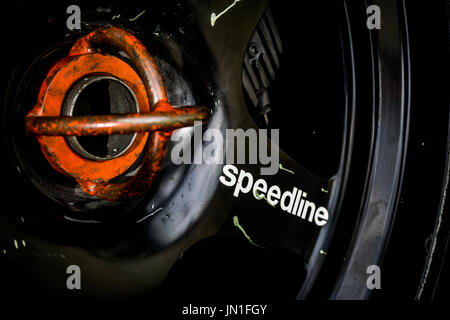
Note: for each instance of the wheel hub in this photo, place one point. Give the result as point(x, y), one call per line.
point(144, 117)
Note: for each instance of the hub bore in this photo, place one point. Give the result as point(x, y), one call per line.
point(99, 95)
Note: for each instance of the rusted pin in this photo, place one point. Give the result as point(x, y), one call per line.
point(115, 123)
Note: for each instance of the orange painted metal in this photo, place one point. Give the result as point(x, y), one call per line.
point(117, 123)
point(156, 115)
point(135, 50)
point(51, 98)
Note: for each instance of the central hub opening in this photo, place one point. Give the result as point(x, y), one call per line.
point(100, 95)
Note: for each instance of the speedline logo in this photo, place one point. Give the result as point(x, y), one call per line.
point(293, 202)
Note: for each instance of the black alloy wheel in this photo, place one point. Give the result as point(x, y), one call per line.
point(364, 124)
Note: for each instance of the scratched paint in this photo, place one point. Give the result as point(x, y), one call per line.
point(149, 215)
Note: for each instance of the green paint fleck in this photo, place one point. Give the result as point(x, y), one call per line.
point(4, 251)
point(323, 253)
point(22, 219)
point(261, 196)
point(24, 243)
point(287, 170)
point(16, 244)
point(215, 17)
point(116, 17)
point(324, 190)
point(237, 225)
point(137, 17)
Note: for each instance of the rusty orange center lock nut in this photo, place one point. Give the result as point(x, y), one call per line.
point(152, 125)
